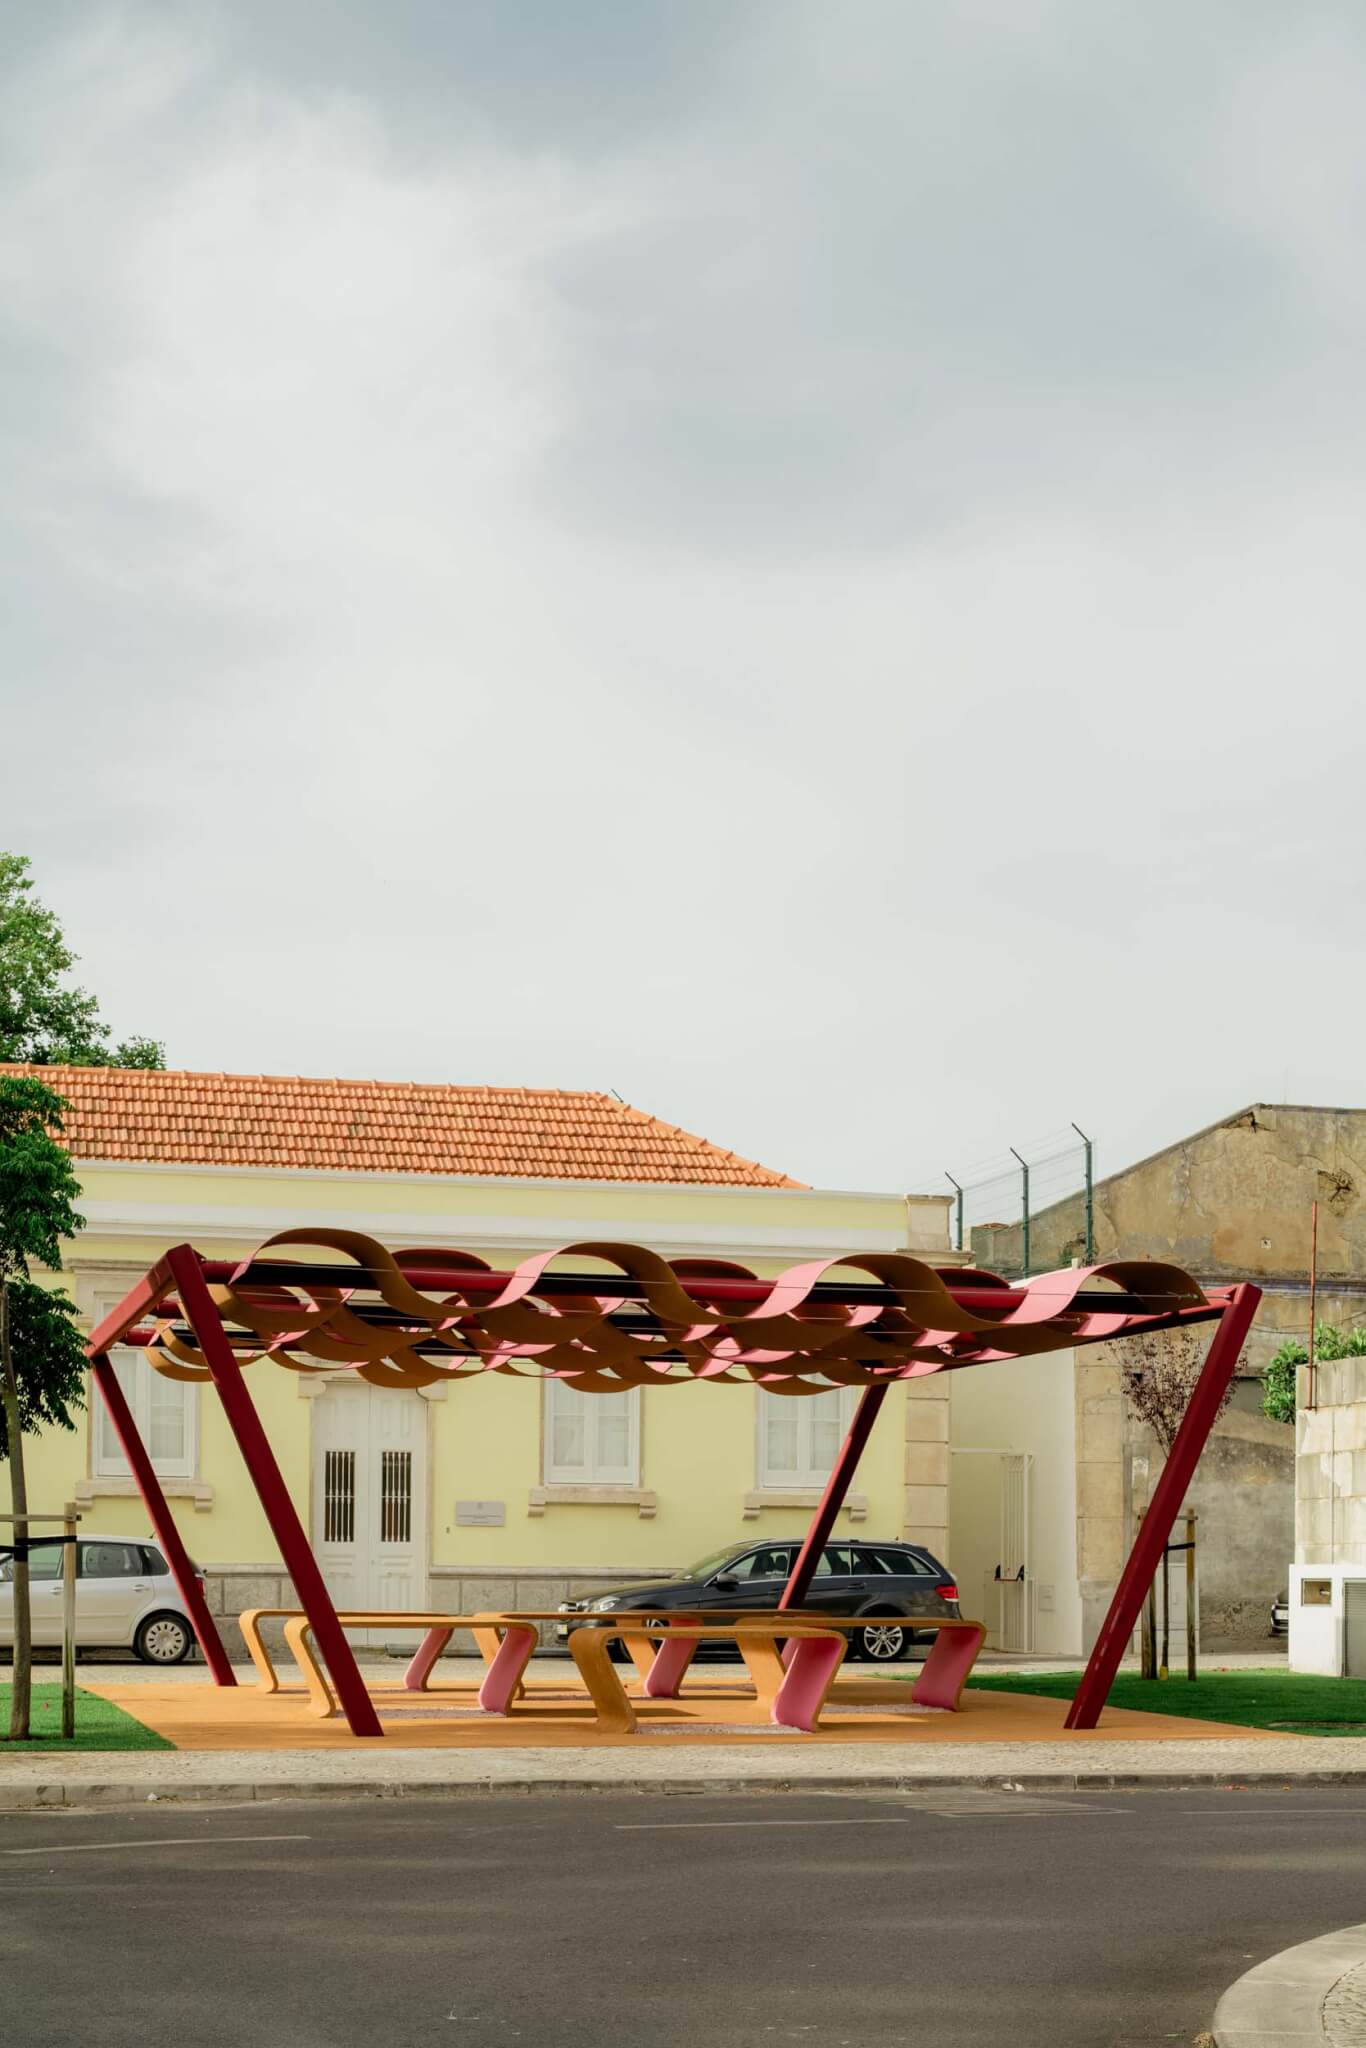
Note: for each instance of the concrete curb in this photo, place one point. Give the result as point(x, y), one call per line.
point(1282, 2000)
point(78, 1793)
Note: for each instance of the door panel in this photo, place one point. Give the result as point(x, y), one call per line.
point(834, 1588)
point(762, 1572)
point(370, 1497)
point(45, 1594)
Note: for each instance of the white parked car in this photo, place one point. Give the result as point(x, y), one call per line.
point(125, 1599)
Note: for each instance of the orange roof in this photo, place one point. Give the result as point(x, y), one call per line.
point(283, 1120)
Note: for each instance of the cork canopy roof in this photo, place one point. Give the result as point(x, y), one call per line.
point(278, 1120)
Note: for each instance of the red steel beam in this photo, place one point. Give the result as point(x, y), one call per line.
point(299, 1561)
point(1156, 1527)
point(832, 1500)
point(159, 1514)
point(139, 1301)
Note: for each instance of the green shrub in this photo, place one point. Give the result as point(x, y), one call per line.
point(1278, 1382)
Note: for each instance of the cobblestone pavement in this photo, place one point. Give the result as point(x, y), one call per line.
point(1344, 2010)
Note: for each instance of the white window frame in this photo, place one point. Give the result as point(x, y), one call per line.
point(808, 1474)
point(560, 1394)
point(136, 1375)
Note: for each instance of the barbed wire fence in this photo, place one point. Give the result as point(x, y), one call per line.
point(1026, 1209)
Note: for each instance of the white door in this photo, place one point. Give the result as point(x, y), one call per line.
point(370, 1497)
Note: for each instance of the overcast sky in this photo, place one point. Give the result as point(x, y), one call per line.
point(798, 561)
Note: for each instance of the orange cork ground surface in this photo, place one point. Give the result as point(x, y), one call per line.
point(557, 1716)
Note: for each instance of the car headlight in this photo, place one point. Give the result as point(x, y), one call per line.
point(608, 1601)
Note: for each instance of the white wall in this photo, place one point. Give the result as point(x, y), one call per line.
point(1318, 1634)
point(1029, 1405)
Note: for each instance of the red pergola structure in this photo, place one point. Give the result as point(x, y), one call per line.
point(605, 1316)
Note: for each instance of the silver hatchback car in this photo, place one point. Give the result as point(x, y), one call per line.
point(126, 1599)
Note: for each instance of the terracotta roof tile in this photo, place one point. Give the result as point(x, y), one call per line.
point(381, 1127)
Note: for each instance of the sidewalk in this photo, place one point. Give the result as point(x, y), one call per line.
point(94, 1778)
point(384, 1769)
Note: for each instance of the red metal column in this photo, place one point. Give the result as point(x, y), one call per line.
point(163, 1523)
point(271, 1490)
point(1156, 1526)
point(846, 1464)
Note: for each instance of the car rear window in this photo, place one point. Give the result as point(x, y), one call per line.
point(906, 1564)
point(111, 1560)
point(153, 1561)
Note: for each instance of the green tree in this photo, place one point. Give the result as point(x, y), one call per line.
point(42, 1357)
point(1278, 1382)
point(43, 1020)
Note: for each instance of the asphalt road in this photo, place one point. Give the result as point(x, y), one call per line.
point(939, 1918)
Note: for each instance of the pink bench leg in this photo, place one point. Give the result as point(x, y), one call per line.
point(428, 1650)
point(809, 1677)
point(944, 1672)
point(671, 1660)
point(504, 1675)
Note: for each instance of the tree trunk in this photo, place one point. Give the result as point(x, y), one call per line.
point(21, 1694)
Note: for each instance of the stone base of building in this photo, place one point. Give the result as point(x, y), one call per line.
point(455, 1588)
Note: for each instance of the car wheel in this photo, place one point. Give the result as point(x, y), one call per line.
point(164, 1639)
point(883, 1642)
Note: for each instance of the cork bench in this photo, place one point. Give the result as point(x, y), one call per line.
point(791, 1658)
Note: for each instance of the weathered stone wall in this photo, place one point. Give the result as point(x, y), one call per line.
point(1330, 1483)
point(1243, 1493)
point(1230, 1203)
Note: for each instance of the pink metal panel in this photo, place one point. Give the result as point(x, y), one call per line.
point(505, 1674)
point(670, 1667)
point(423, 1663)
point(809, 1676)
point(945, 1671)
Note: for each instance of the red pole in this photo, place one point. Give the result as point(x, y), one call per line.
point(1154, 1531)
point(832, 1500)
point(159, 1514)
point(266, 1476)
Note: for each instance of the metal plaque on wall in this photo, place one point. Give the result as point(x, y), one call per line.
point(480, 1514)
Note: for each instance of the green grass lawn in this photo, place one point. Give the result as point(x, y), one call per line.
point(1294, 1703)
point(99, 1725)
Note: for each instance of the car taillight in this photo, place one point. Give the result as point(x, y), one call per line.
point(948, 1592)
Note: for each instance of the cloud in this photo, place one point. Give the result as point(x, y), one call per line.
point(796, 562)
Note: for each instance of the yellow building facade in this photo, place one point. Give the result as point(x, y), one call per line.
point(495, 1489)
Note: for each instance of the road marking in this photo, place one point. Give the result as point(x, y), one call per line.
point(161, 1842)
point(638, 1827)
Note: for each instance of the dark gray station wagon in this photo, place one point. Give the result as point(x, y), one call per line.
point(890, 1583)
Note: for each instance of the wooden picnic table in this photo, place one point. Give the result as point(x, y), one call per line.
point(791, 1657)
point(438, 1628)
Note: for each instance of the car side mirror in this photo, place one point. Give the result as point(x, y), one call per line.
point(726, 1582)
